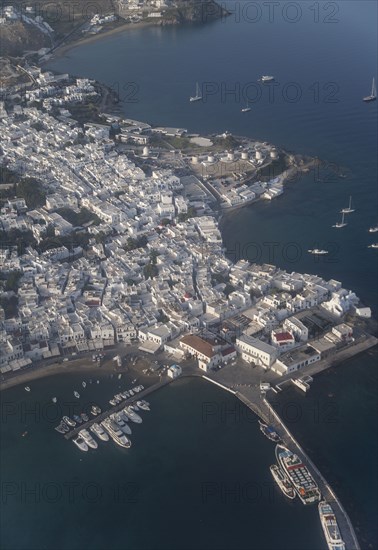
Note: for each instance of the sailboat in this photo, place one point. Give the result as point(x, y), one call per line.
point(198, 96)
point(341, 224)
point(373, 95)
point(348, 210)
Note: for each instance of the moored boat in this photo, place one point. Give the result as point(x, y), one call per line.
point(143, 405)
point(132, 415)
point(119, 419)
point(69, 421)
point(282, 481)
point(80, 443)
point(330, 527)
point(115, 433)
point(269, 432)
point(298, 474)
point(76, 394)
point(95, 410)
point(99, 431)
point(88, 439)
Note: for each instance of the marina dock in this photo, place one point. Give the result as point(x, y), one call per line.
point(141, 395)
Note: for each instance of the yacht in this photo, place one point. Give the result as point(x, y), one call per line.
point(79, 442)
point(88, 439)
point(373, 229)
point(341, 224)
point(132, 415)
point(95, 410)
point(118, 418)
point(330, 528)
point(317, 251)
point(143, 405)
point(349, 209)
point(76, 394)
point(373, 95)
point(267, 78)
point(198, 95)
point(68, 421)
point(98, 430)
point(115, 433)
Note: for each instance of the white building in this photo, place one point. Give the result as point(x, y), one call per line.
point(255, 351)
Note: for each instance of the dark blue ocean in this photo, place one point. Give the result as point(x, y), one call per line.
point(195, 480)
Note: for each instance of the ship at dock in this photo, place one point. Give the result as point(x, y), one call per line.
point(269, 432)
point(301, 479)
point(330, 528)
point(282, 481)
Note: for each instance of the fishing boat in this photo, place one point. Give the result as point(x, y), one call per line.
point(282, 481)
point(373, 95)
point(27, 388)
point(341, 224)
point(349, 209)
point(198, 95)
point(76, 394)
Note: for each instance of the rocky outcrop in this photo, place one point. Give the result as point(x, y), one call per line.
point(193, 11)
point(18, 37)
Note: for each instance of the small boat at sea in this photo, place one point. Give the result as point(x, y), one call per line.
point(80, 443)
point(84, 384)
point(119, 376)
point(54, 400)
point(349, 208)
point(198, 95)
point(374, 245)
point(269, 432)
point(97, 381)
point(330, 527)
point(282, 481)
point(76, 394)
point(88, 439)
point(246, 109)
point(27, 388)
point(373, 229)
point(133, 381)
point(339, 225)
point(373, 94)
point(267, 78)
point(317, 251)
point(69, 421)
point(99, 431)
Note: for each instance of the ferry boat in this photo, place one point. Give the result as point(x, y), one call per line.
point(266, 78)
point(88, 439)
point(143, 405)
point(132, 415)
point(120, 421)
point(303, 482)
point(330, 528)
point(198, 95)
point(317, 251)
point(76, 394)
point(95, 410)
point(374, 245)
point(282, 481)
point(269, 432)
point(115, 433)
point(99, 431)
point(80, 443)
point(373, 229)
point(373, 95)
point(68, 421)
point(349, 209)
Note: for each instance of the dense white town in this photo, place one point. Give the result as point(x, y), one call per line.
point(148, 267)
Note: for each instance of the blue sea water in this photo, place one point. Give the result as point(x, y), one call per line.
point(177, 453)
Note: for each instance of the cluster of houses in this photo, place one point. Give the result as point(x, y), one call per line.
point(150, 274)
